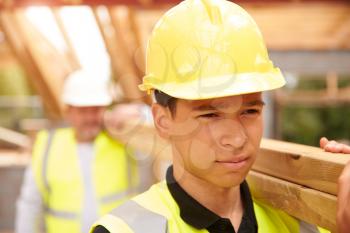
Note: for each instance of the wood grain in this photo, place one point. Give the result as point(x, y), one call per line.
point(304, 203)
point(301, 164)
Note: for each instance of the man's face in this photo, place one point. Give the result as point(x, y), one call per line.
point(86, 121)
point(217, 140)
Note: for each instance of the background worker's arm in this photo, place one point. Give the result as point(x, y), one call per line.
point(343, 211)
point(29, 213)
point(116, 118)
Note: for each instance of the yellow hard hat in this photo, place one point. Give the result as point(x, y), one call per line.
point(203, 49)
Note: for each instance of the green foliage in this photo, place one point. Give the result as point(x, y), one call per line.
point(306, 125)
point(13, 82)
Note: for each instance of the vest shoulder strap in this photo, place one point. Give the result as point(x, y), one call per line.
point(140, 219)
point(45, 160)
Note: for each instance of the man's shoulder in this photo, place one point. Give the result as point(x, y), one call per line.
point(140, 209)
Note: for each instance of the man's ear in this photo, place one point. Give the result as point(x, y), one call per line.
point(162, 120)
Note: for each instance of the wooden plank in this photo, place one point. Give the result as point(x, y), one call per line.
point(131, 76)
point(122, 70)
point(146, 19)
point(23, 3)
point(140, 3)
point(15, 37)
point(138, 52)
point(14, 137)
point(14, 158)
point(305, 165)
point(70, 53)
point(318, 22)
point(52, 64)
point(304, 203)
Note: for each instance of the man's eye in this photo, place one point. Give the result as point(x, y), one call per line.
point(209, 115)
point(251, 111)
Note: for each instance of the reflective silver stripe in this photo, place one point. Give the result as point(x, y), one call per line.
point(51, 133)
point(56, 213)
point(140, 219)
point(131, 186)
point(62, 214)
point(113, 197)
point(307, 227)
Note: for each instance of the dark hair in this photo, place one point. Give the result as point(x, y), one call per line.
point(166, 101)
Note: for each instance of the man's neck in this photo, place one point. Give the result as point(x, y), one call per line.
point(225, 202)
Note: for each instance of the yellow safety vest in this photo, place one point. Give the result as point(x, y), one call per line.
point(57, 174)
point(156, 211)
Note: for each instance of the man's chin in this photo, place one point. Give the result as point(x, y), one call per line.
point(88, 136)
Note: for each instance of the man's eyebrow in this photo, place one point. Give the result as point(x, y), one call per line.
point(254, 103)
point(208, 107)
point(204, 107)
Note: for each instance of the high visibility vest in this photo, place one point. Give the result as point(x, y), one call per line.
point(57, 174)
point(156, 211)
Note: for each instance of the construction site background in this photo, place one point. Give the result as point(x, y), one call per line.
point(41, 45)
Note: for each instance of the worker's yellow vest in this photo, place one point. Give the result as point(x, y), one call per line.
point(157, 212)
point(57, 174)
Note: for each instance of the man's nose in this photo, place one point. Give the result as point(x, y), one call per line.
point(233, 135)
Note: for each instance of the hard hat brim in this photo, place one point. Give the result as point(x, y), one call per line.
point(88, 101)
point(216, 87)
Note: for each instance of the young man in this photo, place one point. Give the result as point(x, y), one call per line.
point(207, 67)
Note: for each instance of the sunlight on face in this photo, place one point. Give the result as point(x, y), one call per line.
point(225, 138)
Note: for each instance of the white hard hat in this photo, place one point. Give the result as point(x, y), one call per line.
point(84, 88)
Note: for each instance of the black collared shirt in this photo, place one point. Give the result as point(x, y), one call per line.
point(198, 216)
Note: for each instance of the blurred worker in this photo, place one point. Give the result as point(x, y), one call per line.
point(343, 207)
point(207, 66)
point(80, 173)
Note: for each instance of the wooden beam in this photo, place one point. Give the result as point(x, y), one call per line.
point(138, 52)
point(14, 137)
point(304, 165)
point(14, 158)
point(23, 3)
point(52, 64)
point(318, 22)
point(146, 19)
point(12, 28)
point(53, 3)
point(131, 75)
point(8, 60)
point(123, 69)
point(303, 203)
point(312, 62)
point(314, 98)
point(72, 59)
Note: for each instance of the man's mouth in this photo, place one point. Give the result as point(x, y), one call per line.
point(234, 163)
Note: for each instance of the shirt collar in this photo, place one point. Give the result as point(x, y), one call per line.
point(198, 216)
